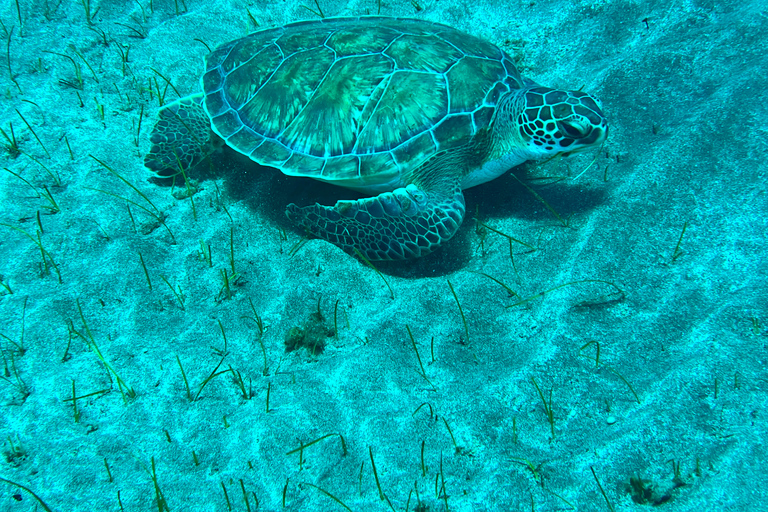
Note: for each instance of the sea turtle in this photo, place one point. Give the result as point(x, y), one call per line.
point(408, 111)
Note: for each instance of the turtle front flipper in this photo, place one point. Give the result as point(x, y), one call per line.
point(406, 223)
point(181, 138)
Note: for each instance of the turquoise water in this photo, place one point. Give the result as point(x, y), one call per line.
point(593, 337)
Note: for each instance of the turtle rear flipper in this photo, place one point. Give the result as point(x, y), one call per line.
point(406, 223)
point(181, 138)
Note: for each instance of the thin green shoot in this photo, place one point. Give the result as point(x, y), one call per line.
point(610, 369)
point(124, 387)
point(109, 471)
point(190, 193)
point(225, 291)
point(334, 498)
point(124, 55)
point(178, 294)
point(245, 497)
point(547, 406)
point(78, 83)
point(509, 238)
point(153, 212)
point(297, 246)
point(619, 291)
point(93, 73)
point(12, 145)
point(423, 466)
point(105, 37)
point(167, 81)
point(599, 485)
point(542, 201)
point(17, 382)
point(553, 493)
point(160, 94)
point(232, 249)
point(204, 43)
point(303, 446)
point(52, 206)
point(138, 128)
point(146, 273)
point(260, 325)
point(597, 351)
point(509, 290)
point(431, 411)
point(69, 148)
point(71, 334)
point(461, 311)
point(48, 261)
point(143, 12)
point(75, 398)
point(183, 4)
point(46, 508)
point(131, 185)
point(625, 381)
point(432, 348)
point(104, 233)
point(223, 351)
point(205, 253)
point(376, 475)
point(250, 17)
point(137, 33)
point(130, 214)
point(74, 403)
point(444, 492)
point(367, 262)
point(537, 477)
point(534, 469)
point(453, 439)
point(214, 373)
point(55, 176)
point(159, 217)
point(18, 13)
point(8, 54)
point(184, 378)
point(226, 496)
point(594, 160)
point(240, 383)
point(19, 344)
point(335, 319)
point(162, 505)
point(423, 372)
point(319, 11)
point(88, 14)
point(679, 252)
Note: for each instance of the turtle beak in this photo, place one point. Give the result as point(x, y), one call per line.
point(584, 133)
point(596, 135)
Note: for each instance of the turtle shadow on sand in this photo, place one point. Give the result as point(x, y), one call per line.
point(266, 192)
point(506, 197)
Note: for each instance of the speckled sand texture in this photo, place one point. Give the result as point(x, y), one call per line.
point(681, 382)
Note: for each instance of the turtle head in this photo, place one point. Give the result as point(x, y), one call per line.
point(552, 121)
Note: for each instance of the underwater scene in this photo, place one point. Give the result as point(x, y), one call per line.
point(369, 255)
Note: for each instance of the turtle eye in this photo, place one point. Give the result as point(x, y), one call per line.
point(574, 130)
